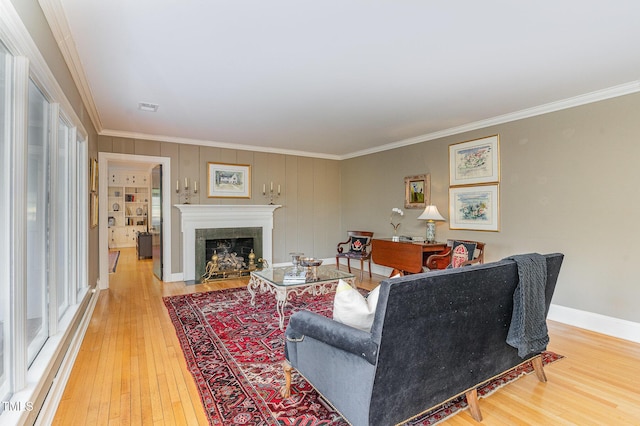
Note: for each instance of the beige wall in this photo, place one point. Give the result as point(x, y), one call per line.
point(569, 184)
point(309, 219)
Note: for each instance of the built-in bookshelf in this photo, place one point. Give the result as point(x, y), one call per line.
point(128, 207)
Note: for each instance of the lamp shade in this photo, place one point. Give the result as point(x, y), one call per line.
point(431, 213)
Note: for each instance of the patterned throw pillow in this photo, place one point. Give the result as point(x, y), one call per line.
point(461, 252)
point(359, 243)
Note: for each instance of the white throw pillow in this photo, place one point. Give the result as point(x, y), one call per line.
point(352, 308)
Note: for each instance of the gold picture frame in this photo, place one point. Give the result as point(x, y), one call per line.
point(417, 191)
point(93, 209)
point(475, 208)
point(93, 175)
point(475, 162)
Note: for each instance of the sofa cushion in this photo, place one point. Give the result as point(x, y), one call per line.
point(461, 252)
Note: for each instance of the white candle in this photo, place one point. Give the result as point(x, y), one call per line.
point(264, 188)
point(278, 189)
point(178, 185)
point(186, 183)
point(195, 186)
point(271, 186)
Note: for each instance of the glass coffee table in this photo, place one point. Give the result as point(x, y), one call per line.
point(285, 282)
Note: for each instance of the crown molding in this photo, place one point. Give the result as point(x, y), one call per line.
point(213, 144)
point(596, 96)
point(57, 20)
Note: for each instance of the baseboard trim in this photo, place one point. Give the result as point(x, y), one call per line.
point(375, 269)
point(615, 327)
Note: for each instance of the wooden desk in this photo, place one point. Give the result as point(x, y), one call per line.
point(403, 256)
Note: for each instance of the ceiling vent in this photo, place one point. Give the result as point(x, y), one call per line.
point(147, 106)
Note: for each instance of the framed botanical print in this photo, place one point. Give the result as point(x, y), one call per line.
point(474, 207)
point(474, 162)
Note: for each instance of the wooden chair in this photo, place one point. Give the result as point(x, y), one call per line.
point(442, 260)
point(358, 248)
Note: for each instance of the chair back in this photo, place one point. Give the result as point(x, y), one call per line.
point(448, 258)
point(359, 241)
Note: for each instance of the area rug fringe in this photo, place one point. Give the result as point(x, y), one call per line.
point(234, 352)
point(113, 260)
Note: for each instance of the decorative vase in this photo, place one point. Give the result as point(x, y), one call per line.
point(395, 237)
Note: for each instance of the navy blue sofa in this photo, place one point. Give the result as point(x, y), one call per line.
point(435, 335)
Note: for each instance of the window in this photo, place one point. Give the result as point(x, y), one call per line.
point(61, 256)
point(38, 182)
point(82, 216)
point(5, 111)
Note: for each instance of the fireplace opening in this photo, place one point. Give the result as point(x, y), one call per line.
point(233, 253)
point(223, 253)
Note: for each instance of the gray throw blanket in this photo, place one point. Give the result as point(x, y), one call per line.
point(528, 331)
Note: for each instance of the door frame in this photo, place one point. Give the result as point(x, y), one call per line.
point(104, 158)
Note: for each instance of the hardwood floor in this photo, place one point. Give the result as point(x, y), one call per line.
point(130, 368)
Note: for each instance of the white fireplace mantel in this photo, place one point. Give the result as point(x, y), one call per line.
point(205, 216)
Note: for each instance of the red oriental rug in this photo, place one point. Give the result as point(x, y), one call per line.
point(235, 353)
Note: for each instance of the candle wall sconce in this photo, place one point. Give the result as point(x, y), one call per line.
point(187, 191)
point(271, 193)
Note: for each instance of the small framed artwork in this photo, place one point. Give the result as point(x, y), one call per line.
point(93, 179)
point(93, 209)
point(417, 191)
point(229, 180)
point(474, 207)
point(475, 162)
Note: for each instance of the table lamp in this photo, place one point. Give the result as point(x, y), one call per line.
point(431, 214)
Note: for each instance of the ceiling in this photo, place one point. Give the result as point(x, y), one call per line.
point(342, 78)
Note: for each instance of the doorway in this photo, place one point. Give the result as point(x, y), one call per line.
point(104, 160)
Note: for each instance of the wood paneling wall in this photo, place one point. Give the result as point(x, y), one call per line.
point(309, 219)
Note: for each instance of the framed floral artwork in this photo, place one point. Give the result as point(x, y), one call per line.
point(475, 162)
point(474, 207)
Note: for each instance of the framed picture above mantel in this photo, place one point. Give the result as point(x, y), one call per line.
point(228, 180)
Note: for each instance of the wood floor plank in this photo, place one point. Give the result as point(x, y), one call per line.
point(130, 368)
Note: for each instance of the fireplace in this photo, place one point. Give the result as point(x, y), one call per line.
point(194, 217)
point(231, 245)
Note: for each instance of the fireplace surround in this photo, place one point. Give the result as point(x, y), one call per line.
point(213, 216)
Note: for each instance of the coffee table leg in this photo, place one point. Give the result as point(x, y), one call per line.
point(281, 302)
point(352, 281)
point(252, 283)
